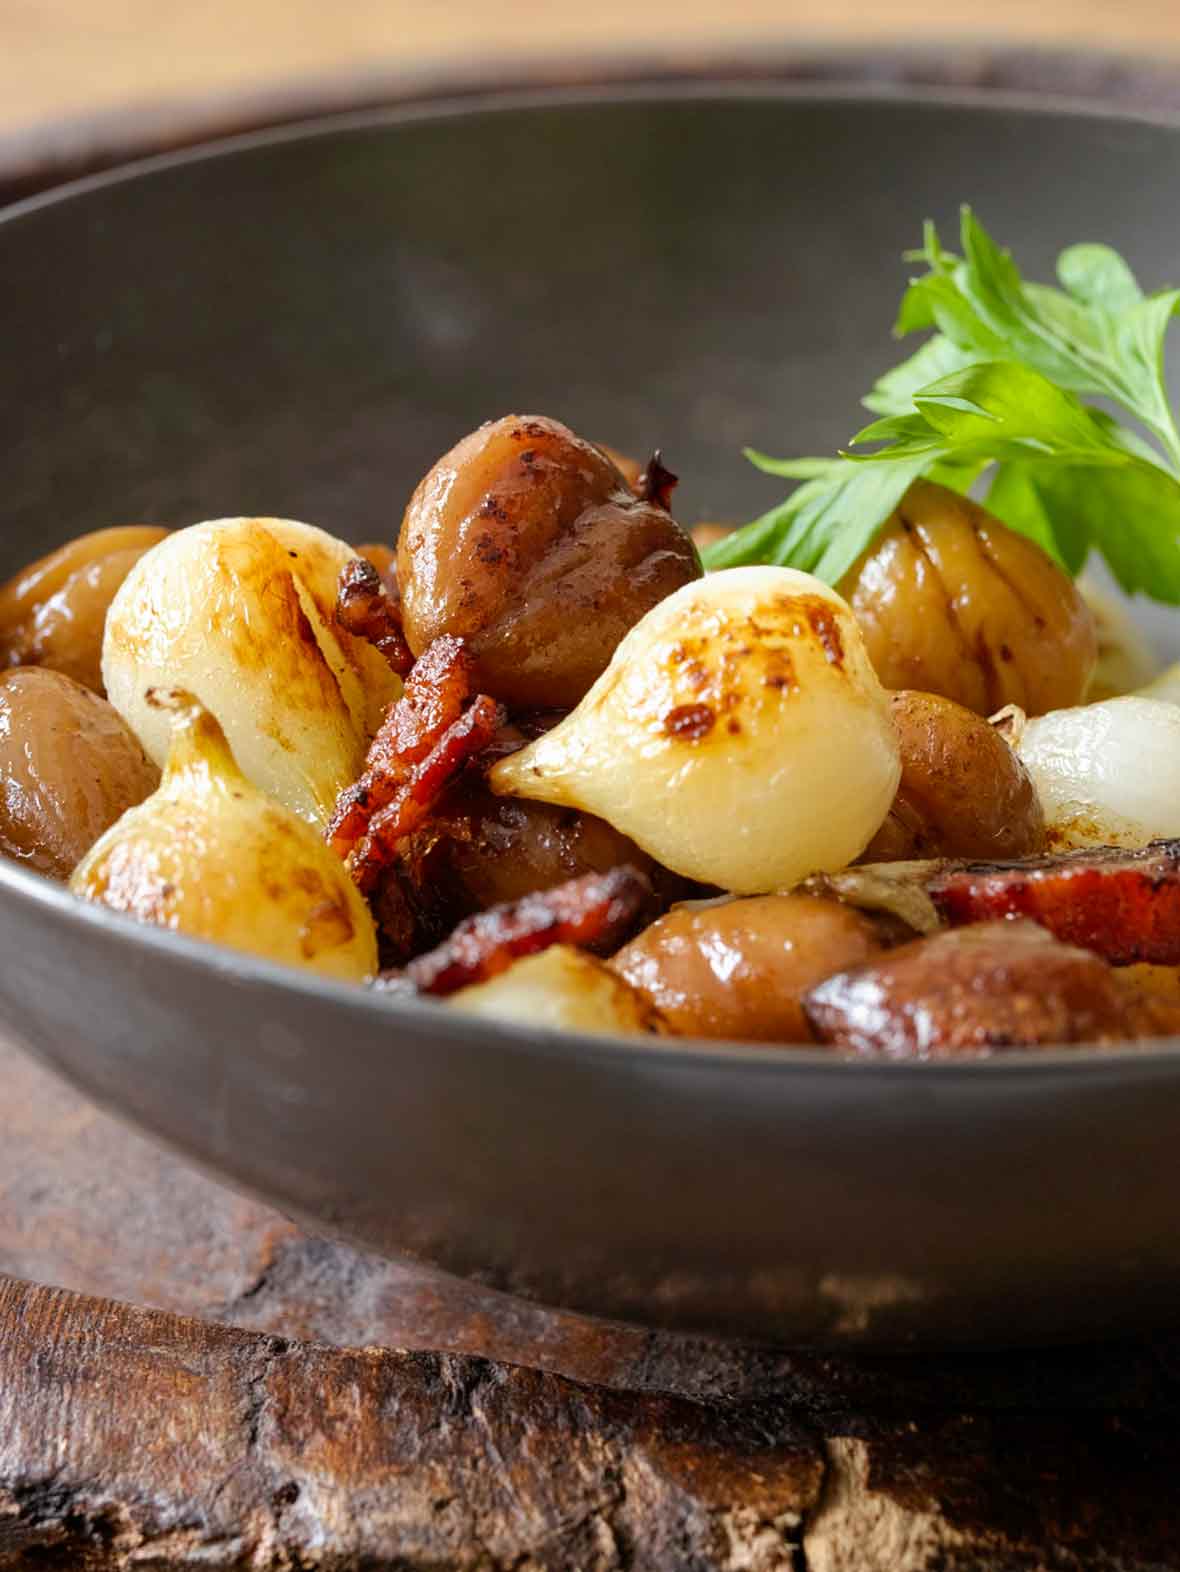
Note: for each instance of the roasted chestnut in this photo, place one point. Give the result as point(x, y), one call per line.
point(527, 542)
point(963, 791)
point(70, 764)
point(951, 601)
point(53, 612)
point(739, 969)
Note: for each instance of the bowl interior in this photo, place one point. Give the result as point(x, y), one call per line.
point(298, 324)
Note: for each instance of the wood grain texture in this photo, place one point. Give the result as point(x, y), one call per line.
point(130, 1439)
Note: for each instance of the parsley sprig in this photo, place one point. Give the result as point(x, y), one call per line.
point(998, 397)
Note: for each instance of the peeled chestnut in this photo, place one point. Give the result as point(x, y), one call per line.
point(739, 969)
point(70, 765)
point(527, 542)
point(501, 848)
point(53, 612)
point(951, 601)
point(963, 793)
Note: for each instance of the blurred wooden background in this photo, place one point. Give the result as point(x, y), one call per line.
point(71, 69)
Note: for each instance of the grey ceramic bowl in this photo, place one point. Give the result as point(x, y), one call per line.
point(298, 323)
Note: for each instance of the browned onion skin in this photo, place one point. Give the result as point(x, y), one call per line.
point(740, 969)
point(70, 766)
point(951, 601)
point(527, 543)
point(54, 611)
point(963, 791)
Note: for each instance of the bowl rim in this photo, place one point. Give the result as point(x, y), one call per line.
point(729, 85)
point(240, 968)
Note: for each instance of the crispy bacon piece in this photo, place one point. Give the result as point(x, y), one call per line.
point(365, 608)
point(657, 483)
point(596, 911)
point(1123, 905)
point(973, 990)
point(425, 740)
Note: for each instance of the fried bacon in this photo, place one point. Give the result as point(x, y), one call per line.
point(656, 483)
point(974, 990)
point(1123, 905)
point(596, 911)
point(364, 607)
point(425, 740)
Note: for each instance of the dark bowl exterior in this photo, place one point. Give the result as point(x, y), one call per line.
point(787, 1198)
point(298, 324)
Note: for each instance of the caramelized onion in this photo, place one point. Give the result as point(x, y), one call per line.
point(241, 613)
point(209, 855)
point(1107, 774)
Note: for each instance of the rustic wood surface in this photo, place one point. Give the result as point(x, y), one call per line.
point(132, 1439)
point(142, 1437)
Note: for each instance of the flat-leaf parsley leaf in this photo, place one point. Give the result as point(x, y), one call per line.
point(999, 391)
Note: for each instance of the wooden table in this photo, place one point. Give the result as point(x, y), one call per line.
point(280, 1402)
point(187, 1380)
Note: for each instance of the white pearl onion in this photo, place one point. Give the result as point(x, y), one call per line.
point(1108, 773)
point(739, 735)
point(239, 612)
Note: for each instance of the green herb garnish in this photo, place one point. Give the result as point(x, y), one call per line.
point(999, 392)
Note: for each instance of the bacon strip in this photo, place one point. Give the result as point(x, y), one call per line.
point(424, 741)
point(365, 608)
point(1123, 905)
point(596, 911)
